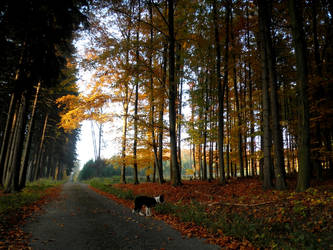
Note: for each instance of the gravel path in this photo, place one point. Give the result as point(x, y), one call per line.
point(83, 219)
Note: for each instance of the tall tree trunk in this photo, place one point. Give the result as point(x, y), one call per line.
point(100, 134)
point(228, 129)
point(135, 143)
point(219, 82)
point(37, 167)
point(275, 110)
point(179, 82)
point(238, 110)
point(175, 174)
point(27, 143)
point(14, 153)
point(267, 137)
point(6, 136)
point(250, 93)
point(152, 99)
point(303, 180)
point(161, 114)
point(124, 138)
point(125, 115)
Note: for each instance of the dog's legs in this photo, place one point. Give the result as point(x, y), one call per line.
point(148, 213)
point(142, 214)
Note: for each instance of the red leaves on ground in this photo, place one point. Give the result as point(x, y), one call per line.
point(238, 196)
point(11, 234)
point(201, 191)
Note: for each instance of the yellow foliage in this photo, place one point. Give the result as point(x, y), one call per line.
point(189, 171)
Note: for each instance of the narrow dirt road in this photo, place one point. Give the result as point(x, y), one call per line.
point(83, 219)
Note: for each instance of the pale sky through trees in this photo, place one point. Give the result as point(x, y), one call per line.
point(85, 145)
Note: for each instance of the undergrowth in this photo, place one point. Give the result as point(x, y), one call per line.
point(300, 221)
point(31, 193)
point(105, 184)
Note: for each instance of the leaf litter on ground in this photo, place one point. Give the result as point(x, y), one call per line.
point(240, 214)
point(17, 208)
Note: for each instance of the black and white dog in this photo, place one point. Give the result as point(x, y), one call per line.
point(148, 202)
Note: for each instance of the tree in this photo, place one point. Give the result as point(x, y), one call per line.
point(303, 180)
point(30, 32)
point(175, 173)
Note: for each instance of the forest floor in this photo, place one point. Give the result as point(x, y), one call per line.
point(240, 214)
point(237, 215)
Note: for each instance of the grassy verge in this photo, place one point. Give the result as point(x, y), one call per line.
point(16, 207)
point(105, 184)
point(31, 193)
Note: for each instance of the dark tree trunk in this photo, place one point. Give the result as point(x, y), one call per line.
point(27, 144)
point(221, 87)
point(303, 180)
point(175, 173)
point(267, 137)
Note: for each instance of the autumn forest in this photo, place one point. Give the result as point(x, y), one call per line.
point(245, 85)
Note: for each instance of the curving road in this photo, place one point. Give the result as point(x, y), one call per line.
point(83, 219)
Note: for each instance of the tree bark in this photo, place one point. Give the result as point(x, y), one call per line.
point(37, 167)
point(267, 138)
point(175, 173)
point(135, 143)
point(238, 111)
point(274, 105)
point(27, 143)
point(15, 145)
point(219, 83)
point(303, 180)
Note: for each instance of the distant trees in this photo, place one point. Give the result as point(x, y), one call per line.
point(36, 68)
point(245, 68)
point(97, 168)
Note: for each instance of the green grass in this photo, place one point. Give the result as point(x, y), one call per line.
point(31, 193)
point(105, 184)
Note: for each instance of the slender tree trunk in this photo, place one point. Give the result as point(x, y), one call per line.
point(250, 94)
point(238, 110)
point(152, 99)
point(135, 143)
point(27, 143)
point(175, 173)
point(100, 134)
point(161, 114)
point(219, 82)
point(40, 151)
point(194, 162)
point(179, 82)
point(124, 138)
point(6, 137)
point(303, 180)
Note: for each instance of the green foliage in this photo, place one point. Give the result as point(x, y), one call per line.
point(166, 208)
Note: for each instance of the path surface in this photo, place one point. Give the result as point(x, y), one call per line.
point(83, 219)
